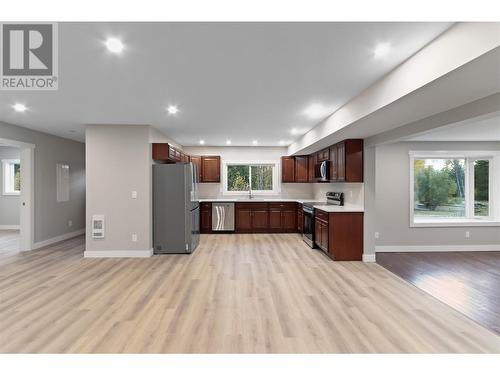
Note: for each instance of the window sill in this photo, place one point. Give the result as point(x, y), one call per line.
point(11, 193)
point(439, 222)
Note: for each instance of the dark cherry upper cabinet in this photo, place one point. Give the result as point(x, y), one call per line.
point(334, 169)
point(287, 169)
point(310, 168)
point(210, 169)
point(350, 160)
point(196, 160)
point(323, 155)
point(301, 170)
point(163, 152)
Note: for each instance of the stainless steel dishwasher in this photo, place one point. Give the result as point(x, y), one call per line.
point(222, 216)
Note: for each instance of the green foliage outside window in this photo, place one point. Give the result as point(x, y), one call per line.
point(17, 177)
point(239, 176)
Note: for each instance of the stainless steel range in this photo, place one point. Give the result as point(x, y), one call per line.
point(332, 198)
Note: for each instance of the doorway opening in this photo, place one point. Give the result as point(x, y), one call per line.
point(16, 196)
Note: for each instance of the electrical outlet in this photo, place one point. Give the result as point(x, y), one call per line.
point(134, 194)
point(377, 235)
point(134, 237)
point(70, 223)
point(350, 193)
point(467, 234)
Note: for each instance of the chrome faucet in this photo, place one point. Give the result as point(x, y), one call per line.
point(250, 192)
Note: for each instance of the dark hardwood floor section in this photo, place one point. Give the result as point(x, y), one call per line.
point(467, 281)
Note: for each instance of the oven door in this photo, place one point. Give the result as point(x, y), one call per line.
point(308, 234)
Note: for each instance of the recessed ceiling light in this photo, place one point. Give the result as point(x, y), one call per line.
point(114, 45)
point(202, 142)
point(316, 111)
point(228, 142)
point(18, 107)
point(255, 142)
point(282, 143)
point(172, 109)
point(294, 131)
point(381, 50)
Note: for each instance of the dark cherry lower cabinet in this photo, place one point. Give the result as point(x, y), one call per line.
point(251, 217)
point(339, 234)
point(206, 217)
point(300, 218)
point(283, 217)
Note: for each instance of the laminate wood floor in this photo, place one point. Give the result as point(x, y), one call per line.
point(9, 242)
point(467, 281)
point(241, 293)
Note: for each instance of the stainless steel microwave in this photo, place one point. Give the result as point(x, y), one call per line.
point(322, 171)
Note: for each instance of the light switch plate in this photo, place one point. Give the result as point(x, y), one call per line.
point(134, 194)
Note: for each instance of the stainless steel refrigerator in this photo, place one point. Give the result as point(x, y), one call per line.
point(176, 210)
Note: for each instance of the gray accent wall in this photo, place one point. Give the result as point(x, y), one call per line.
point(391, 200)
point(9, 204)
point(51, 217)
point(119, 162)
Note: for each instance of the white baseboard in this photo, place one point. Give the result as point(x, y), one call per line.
point(60, 238)
point(118, 253)
point(369, 258)
point(435, 248)
point(9, 227)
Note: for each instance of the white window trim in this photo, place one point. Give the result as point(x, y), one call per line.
point(494, 188)
point(276, 180)
point(6, 164)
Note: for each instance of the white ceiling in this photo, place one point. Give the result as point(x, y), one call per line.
point(238, 81)
point(485, 129)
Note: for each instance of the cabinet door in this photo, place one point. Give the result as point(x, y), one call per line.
point(243, 219)
point(317, 232)
point(206, 217)
point(333, 163)
point(289, 220)
point(260, 220)
point(311, 163)
point(300, 219)
point(301, 171)
point(210, 169)
point(196, 160)
point(275, 219)
point(324, 236)
point(340, 161)
point(288, 169)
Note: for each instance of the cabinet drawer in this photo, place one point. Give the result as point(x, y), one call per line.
point(283, 205)
point(252, 205)
point(322, 215)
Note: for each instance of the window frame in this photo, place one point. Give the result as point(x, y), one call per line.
point(470, 219)
point(276, 181)
point(7, 167)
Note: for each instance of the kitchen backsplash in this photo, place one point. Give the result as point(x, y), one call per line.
point(291, 191)
point(353, 192)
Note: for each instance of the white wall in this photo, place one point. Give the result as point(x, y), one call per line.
point(9, 204)
point(392, 194)
point(51, 217)
point(249, 154)
point(119, 162)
